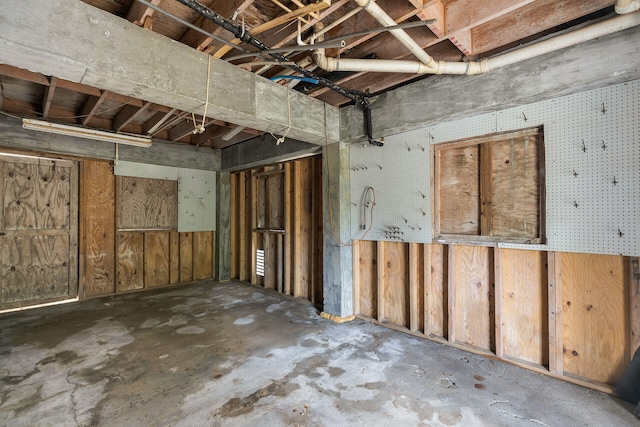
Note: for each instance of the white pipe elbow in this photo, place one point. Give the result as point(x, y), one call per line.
point(627, 6)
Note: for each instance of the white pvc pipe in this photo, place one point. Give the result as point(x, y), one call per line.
point(428, 65)
point(627, 6)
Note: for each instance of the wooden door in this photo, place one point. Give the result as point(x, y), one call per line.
point(38, 230)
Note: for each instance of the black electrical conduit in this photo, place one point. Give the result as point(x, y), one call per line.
point(360, 98)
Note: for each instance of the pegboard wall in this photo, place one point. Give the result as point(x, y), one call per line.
point(592, 161)
point(196, 192)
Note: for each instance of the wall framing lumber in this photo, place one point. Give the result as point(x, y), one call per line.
point(556, 363)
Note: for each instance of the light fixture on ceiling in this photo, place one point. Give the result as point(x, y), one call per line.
point(87, 133)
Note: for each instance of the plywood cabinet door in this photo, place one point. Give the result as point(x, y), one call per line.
point(38, 230)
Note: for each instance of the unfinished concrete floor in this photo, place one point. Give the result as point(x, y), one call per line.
point(211, 354)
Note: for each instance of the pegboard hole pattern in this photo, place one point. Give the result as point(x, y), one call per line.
point(592, 150)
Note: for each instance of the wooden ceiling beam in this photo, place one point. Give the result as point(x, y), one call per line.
point(139, 13)
point(283, 19)
point(529, 20)
point(127, 115)
point(19, 73)
point(49, 92)
point(158, 119)
point(90, 107)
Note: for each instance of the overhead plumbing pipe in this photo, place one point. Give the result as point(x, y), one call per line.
point(428, 65)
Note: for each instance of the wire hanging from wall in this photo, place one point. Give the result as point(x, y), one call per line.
point(281, 139)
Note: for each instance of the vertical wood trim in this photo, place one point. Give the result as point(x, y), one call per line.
point(634, 306)
point(213, 254)
point(254, 223)
point(427, 288)
point(288, 230)
point(74, 209)
point(542, 190)
point(174, 257)
point(435, 190)
point(355, 252)
point(280, 256)
point(381, 280)
point(556, 363)
point(233, 225)
point(242, 214)
point(497, 273)
point(297, 228)
point(414, 287)
point(486, 193)
point(451, 279)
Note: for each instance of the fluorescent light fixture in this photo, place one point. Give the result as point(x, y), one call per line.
point(80, 132)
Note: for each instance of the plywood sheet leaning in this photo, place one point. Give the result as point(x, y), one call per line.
point(595, 310)
point(156, 258)
point(471, 279)
point(146, 203)
point(130, 258)
point(97, 213)
point(203, 255)
point(523, 304)
point(395, 283)
point(435, 290)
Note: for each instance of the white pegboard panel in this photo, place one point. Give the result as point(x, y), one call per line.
point(592, 144)
point(601, 177)
point(399, 173)
point(462, 129)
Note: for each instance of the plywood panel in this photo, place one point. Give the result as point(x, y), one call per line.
point(130, 260)
point(186, 257)
point(595, 307)
point(202, 255)
point(416, 287)
point(53, 196)
point(19, 205)
point(367, 272)
point(436, 293)
point(146, 203)
point(156, 258)
point(97, 188)
point(275, 191)
point(34, 268)
point(396, 283)
point(459, 197)
point(318, 231)
point(473, 294)
point(524, 305)
point(270, 260)
point(515, 184)
point(174, 257)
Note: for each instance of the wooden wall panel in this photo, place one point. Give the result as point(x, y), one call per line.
point(318, 232)
point(473, 294)
point(202, 255)
point(270, 260)
point(97, 213)
point(130, 258)
point(146, 203)
point(367, 272)
point(524, 307)
point(174, 257)
point(302, 229)
point(156, 258)
point(416, 287)
point(396, 283)
point(459, 188)
point(244, 213)
point(512, 164)
point(595, 313)
point(634, 314)
point(19, 204)
point(233, 225)
point(436, 293)
point(275, 190)
point(186, 257)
